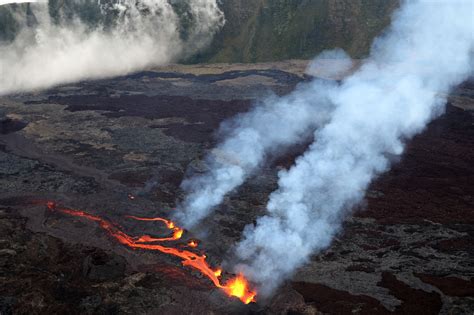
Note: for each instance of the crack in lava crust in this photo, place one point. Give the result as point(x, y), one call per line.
point(238, 286)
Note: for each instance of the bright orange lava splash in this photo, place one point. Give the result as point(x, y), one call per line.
point(238, 286)
point(193, 243)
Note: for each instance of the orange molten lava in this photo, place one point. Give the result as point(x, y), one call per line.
point(193, 243)
point(168, 223)
point(237, 286)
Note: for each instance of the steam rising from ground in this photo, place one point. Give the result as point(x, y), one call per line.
point(250, 139)
point(3, 2)
point(403, 85)
point(427, 51)
point(331, 64)
point(131, 35)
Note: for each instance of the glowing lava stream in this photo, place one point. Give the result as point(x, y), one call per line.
point(237, 286)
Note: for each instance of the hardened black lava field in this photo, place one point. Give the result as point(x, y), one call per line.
point(121, 147)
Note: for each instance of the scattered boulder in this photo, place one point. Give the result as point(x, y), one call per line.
point(101, 266)
point(8, 125)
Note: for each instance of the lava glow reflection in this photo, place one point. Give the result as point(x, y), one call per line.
point(238, 286)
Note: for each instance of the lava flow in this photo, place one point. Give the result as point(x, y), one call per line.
point(237, 286)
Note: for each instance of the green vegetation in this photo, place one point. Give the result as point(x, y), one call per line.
point(266, 30)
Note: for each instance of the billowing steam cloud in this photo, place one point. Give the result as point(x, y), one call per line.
point(427, 51)
point(403, 85)
point(251, 138)
point(129, 35)
point(331, 64)
point(3, 2)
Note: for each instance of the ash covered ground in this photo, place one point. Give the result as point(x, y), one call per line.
point(408, 249)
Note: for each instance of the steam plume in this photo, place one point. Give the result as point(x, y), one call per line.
point(426, 52)
point(249, 139)
point(4, 2)
point(129, 35)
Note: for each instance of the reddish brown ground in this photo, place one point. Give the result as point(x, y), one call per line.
point(434, 178)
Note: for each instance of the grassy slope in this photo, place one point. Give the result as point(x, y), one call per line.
point(268, 30)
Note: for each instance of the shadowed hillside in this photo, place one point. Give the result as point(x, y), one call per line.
point(255, 30)
point(263, 30)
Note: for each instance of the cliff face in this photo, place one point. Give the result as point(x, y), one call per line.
point(267, 30)
point(11, 16)
point(264, 30)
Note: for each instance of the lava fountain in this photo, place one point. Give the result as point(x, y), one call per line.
point(238, 286)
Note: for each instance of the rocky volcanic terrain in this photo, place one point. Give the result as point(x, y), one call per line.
point(407, 250)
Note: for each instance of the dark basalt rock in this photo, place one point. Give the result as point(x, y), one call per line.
point(414, 301)
point(332, 301)
point(8, 125)
point(408, 249)
point(452, 286)
point(101, 266)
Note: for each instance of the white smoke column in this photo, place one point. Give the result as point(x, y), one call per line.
point(331, 64)
point(147, 33)
point(3, 2)
point(207, 19)
point(249, 139)
point(426, 52)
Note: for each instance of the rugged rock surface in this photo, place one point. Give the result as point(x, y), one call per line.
point(262, 30)
point(407, 250)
